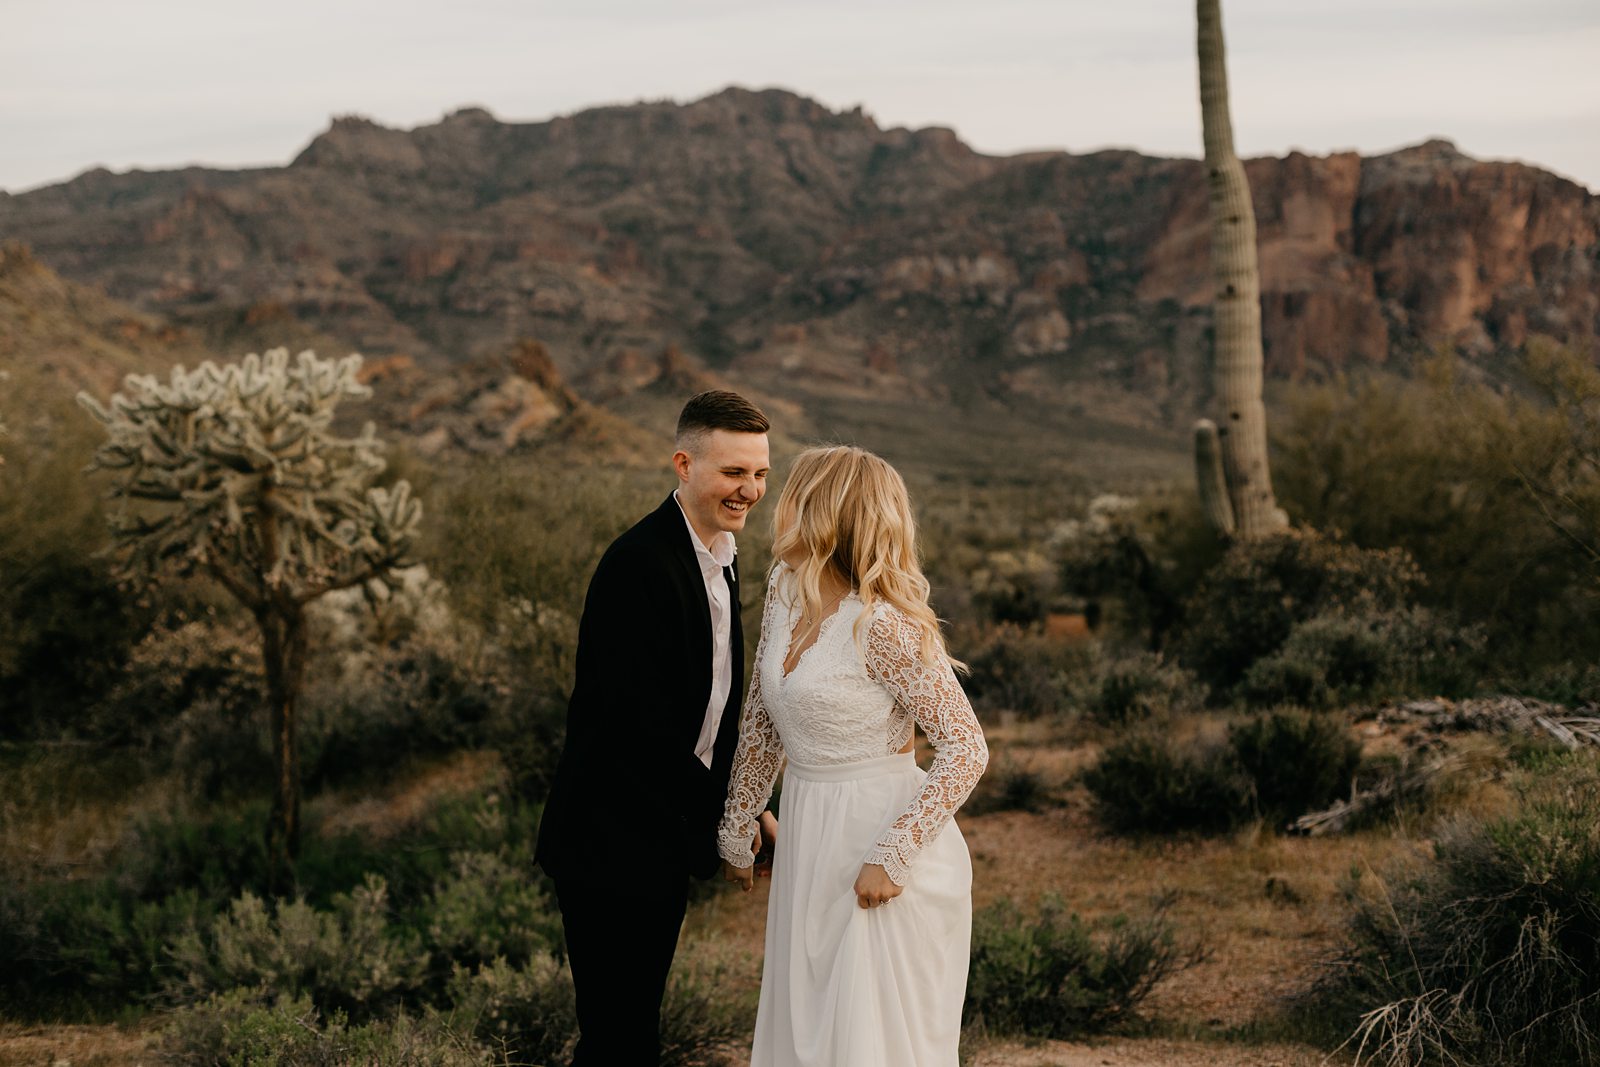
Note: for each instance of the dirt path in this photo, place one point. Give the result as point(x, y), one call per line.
point(1127, 1052)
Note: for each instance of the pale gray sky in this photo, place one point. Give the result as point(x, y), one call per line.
point(162, 83)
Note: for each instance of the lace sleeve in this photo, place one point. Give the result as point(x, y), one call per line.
point(930, 692)
point(757, 759)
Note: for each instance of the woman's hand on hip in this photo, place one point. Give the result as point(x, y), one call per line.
point(874, 887)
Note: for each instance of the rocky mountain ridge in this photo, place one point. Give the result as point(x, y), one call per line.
point(789, 248)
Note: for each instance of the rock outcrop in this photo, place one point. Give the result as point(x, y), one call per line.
point(769, 241)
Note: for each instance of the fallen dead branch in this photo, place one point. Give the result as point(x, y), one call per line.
point(1431, 718)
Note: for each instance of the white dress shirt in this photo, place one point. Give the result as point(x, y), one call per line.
point(713, 560)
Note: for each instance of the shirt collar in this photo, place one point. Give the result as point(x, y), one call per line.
point(719, 553)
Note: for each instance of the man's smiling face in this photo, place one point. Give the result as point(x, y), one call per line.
point(720, 479)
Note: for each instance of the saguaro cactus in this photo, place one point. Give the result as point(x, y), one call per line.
point(1240, 463)
point(234, 472)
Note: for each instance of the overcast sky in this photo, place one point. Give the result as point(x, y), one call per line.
point(163, 83)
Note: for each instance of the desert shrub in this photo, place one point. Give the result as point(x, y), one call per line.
point(1048, 975)
point(1247, 606)
point(238, 1027)
point(83, 950)
point(1134, 560)
point(65, 630)
point(519, 582)
point(460, 886)
point(349, 958)
point(1011, 586)
point(215, 853)
point(81, 946)
point(488, 907)
point(414, 870)
point(1148, 782)
point(1574, 684)
point(1492, 491)
point(1138, 687)
point(1019, 670)
point(530, 1013)
point(1296, 762)
point(1273, 766)
point(1008, 786)
point(1338, 658)
point(66, 625)
point(529, 742)
point(1488, 953)
point(391, 704)
point(177, 666)
point(192, 696)
point(528, 1010)
point(700, 1019)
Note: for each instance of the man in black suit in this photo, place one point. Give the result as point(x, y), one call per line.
point(651, 729)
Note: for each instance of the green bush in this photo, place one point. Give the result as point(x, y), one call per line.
point(488, 908)
point(1493, 491)
point(1247, 606)
point(238, 1027)
point(66, 629)
point(700, 1019)
point(349, 958)
point(1139, 687)
point(1046, 975)
point(1133, 561)
point(521, 583)
point(462, 887)
point(1011, 586)
point(1574, 684)
point(415, 869)
point(215, 855)
point(376, 710)
point(1147, 782)
point(1296, 762)
point(1013, 669)
point(530, 1013)
point(66, 626)
point(528, 1010)
point(82, 950)
point(1274, 766)
point(1008, 786)
point(1489, 953)
point(1336, 658)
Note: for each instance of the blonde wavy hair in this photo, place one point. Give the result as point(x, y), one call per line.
point(846, 508)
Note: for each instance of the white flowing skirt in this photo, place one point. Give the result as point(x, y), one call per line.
point(845, 986)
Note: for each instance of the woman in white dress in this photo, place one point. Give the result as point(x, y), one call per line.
point(870, 916)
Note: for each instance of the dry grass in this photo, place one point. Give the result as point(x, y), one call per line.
point(77, 1046)
point(64, 807)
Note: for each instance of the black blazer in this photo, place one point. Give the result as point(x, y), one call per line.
point(629, 795)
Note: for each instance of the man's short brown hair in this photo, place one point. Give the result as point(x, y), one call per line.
point(717, 409)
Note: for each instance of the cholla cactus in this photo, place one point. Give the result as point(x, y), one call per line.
point(1250, 509)
point(235, 472)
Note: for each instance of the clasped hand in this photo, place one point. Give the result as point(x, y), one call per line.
point(766, 834)
point(873, 885)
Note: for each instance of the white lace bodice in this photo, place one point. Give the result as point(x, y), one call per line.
point(844, 702)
